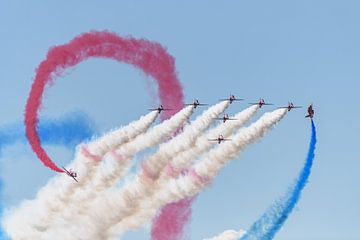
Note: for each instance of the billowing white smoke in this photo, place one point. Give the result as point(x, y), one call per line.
point(133, 190)
point(91, 154)
point(228, 235)
point(200, 176)
point(97, 209)
point(55, 196)
point(115, 138)
point(59, 196)
point(117, 163)
point(184, 159)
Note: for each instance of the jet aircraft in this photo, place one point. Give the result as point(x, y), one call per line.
point(196, 103)
point(291, 106)
point(219, 139)
point(310, 112)
point(261, 103)
point(232, 98)
point(225, 118)
point(70, 173)
point(159, 109)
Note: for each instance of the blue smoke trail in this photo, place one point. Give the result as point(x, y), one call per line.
point(271, 221)
point(69, 131)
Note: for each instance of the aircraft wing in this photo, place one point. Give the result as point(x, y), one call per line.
point(216, 139)
point(268, 104)
point(162, 109)
point(197, 104)
point(75, 179)
point(227, 99)
point(291, 107)
point(66, 171)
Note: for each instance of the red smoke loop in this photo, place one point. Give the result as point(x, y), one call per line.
point(148, 56)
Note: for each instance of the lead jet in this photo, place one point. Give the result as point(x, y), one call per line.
point(196, 103)
point(291, 106)
point(232, 98)
point(310, 112)
point(159, 109)
point(219, 139)
point(70, 173)
point(225, 118)
point(261, 103)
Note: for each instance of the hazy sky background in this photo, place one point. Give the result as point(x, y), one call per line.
point(304, 51)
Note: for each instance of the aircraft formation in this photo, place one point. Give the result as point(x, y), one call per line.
point(225, 118)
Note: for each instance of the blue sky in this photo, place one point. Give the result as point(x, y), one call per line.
point(304, 51)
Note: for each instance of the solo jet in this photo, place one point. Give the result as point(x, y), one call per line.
point(225, 118)
point(196, 103)
point(159, 109)
point(70, 173)
point(261, 103)
point(291, 106)
point(232, 98)
point(310, 112)
point(219, 139)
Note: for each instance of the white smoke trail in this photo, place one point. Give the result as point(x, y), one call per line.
point(228, 235)
point(199, 177)
point(117, 161)
point(95, 150)
point(106, 176)
point(116, 165)
point(136, 188)
point(183, 160)
point(115, 138)
point(59, 190)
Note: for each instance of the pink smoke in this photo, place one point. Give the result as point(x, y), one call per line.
point(171, 221)
point(148, 56)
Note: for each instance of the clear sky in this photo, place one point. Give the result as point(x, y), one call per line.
point(304, 51)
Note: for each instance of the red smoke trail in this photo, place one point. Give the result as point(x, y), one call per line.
point(148, 56)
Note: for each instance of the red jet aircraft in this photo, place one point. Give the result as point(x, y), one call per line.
point(310, 112)
point(159, 109)
point(232, 98)
point(220, 139)
point(71, 173)
point(291, 106)
point(225, 118)
point(196, 103)
point(261, 103)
